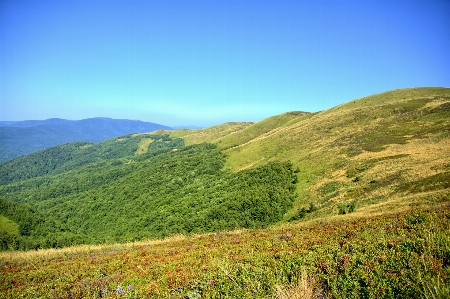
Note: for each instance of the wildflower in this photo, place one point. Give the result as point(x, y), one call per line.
point(119, 290)
point(104, 291)
point(130, 288)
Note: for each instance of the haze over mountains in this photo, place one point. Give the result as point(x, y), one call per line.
point(24, 137)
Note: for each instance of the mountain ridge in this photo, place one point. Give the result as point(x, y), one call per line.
point(354, 141)
point(23, 137)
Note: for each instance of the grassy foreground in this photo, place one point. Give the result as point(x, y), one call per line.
point(401, 255)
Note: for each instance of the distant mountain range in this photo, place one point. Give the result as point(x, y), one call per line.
point(24, 137)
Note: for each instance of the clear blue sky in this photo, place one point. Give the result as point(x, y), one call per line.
point(207, 62)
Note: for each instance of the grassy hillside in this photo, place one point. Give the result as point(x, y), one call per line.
point(349, 202)
point(380, 153)
point(209, 135)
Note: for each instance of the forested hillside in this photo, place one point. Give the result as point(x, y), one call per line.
point(24, 137)
point(162, 192)
point(24, 227)
point(65, 157)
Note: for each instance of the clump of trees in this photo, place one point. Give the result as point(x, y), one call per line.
point(301, 213)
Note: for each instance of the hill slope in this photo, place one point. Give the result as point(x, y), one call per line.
point(115, 193)
point(402, 255)
point(362, 188)
point(382, 152)
point(379, 154)
point(23, 137)
point(68, 156)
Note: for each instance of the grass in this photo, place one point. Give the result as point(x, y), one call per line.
point(390, 256)
point(262, 129)
point(143, 146)
point(210, 135)
point(304, 288)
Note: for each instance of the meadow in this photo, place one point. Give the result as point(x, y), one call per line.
point(398, 255)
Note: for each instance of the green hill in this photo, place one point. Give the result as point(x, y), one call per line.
point(377, 154)
point(350, 202)
point(155, 194)
point(68, 156)
point(382, 152)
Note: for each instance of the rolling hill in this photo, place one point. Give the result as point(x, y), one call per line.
point(348, 202)
point(24, 137)
point(383, 152)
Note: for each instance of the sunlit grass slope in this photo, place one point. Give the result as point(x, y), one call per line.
point(261, 129)
point(210, 135)
point(380, 153)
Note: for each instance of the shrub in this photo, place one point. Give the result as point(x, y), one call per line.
point(345, 208)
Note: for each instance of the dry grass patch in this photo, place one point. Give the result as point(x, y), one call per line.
point(83, 249)
point(304, 288)
point(436, 103)
point(86, 146)
point(143, 146)
point(414, 160)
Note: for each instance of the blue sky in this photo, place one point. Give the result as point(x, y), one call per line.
point(207, 62)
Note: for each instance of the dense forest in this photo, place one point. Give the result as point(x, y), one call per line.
point(68, 156)
point(136, 187)
point(23, 227)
